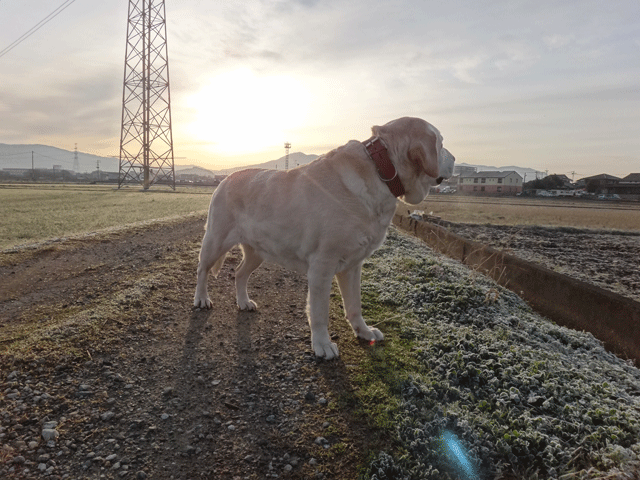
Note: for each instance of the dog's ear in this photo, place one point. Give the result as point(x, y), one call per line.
point(425, 157)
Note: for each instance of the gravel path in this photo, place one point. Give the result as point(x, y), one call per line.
point(114, 374)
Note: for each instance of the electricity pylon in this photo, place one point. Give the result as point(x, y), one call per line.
point(146, 140)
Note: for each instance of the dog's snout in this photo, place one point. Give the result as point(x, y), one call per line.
point(439, 180)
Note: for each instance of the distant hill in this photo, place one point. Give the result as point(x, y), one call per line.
point(295, 159)
point(19, 156)
point(299, 158)
point(193, 170)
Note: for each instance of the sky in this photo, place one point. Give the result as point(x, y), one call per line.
point(550, 85)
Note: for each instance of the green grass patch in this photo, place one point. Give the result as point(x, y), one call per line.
point(376, 375)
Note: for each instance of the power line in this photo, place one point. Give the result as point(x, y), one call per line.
point(13, 154)
point(36, 27)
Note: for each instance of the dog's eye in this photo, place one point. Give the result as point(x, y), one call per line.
point(439, 180)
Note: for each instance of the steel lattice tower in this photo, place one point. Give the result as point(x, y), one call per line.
point(146, 141)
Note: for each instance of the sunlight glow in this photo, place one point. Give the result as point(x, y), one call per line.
point(241, 112)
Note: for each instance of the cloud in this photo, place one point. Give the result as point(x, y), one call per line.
point(503, 76)
point(557, 41)
point(64, 106)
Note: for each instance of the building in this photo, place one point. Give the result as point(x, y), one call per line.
point(567, 184)
point(628, 188)
point(463, 170)
point(600, 184)
point(490, 183)
point(17, 172)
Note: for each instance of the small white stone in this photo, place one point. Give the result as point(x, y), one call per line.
point(49, 434)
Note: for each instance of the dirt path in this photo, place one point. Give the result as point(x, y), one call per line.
point(98, 336)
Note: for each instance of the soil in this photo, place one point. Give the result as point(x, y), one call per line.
point(99, 343)
point(607, 259)
point(98, 336)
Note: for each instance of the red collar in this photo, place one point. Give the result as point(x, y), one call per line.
point(386, 171)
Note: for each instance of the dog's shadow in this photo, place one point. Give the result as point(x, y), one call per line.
point(200, 326)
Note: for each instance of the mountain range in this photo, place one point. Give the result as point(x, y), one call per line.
point(45, 157)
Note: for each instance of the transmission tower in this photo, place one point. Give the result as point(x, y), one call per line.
point(287, 146)
point(146, 140)
point(76, 162)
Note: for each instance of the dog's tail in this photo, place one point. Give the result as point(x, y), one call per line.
point(215, 270)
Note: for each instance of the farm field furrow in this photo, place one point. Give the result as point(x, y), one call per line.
point(608, 259)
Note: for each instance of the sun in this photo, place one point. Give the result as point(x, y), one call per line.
point(240, 112)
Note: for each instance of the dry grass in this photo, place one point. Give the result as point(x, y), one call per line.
point(32, 213)
point(544, 212)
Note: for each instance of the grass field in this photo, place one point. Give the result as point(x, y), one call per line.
point(532, 211)
point(31, 213)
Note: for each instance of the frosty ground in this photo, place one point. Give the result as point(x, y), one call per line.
point(102, 350)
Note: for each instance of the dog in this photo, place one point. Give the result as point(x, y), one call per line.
point(322, 219)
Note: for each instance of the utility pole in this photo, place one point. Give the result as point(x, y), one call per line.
point(287, 146)
point(146, 139)
point(76, 162)
point(33, 168)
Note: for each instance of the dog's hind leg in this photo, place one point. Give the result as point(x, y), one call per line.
point(349, 283)
point(250, 261)
point(212, 254)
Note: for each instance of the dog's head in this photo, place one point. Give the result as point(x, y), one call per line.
point(415, 148)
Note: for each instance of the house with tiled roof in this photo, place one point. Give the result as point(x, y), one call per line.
point(632, 178)
point(490, 183)
point(627, 187)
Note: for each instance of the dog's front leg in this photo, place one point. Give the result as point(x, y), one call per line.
point(349, 283)
point(318, 311)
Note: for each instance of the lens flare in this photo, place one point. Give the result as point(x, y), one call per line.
point(457, 456)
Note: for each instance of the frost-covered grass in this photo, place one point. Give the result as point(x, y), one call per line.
point(495, 389)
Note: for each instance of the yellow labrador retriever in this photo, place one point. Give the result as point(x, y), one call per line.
point(323, 219)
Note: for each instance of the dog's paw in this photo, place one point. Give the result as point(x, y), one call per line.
point(370, 334)
point(202, 302)
point(327, 351)
point(247, 304)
